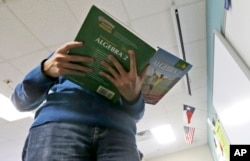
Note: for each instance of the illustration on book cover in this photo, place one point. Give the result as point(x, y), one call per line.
point(164, 72)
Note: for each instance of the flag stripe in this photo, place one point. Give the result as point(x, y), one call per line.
point(189, 134)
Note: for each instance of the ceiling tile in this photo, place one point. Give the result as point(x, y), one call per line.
point(176, 100)
point(34, 59)
point(2, 121)
point(1, 59)
point(48, 26)
point(10, 132)
point(79, 8)
point(196, 53)
point(162, 34)
point(23, 123)
point(193, 25)
point(186, 2)
point(116, 10)
point(143, 8)
point(16, 149)
point(13, 33)
point(8, 72)
point(200, 73)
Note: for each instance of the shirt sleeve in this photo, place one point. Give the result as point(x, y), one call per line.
point(135, 109)
point(33, 89)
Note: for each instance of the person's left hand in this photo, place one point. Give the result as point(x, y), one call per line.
point(129, 83)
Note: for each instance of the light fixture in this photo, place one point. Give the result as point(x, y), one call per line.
point(9, 112)
point(163, 134)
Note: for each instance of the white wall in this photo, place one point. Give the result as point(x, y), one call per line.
point(237, 28)
point(201, 153)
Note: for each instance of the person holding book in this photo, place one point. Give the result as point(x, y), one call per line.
point(75, 124)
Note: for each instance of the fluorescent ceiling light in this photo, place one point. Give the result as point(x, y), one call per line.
point(163, 134)
point(9, 112)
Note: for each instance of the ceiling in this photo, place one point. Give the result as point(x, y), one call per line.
point(30, 30)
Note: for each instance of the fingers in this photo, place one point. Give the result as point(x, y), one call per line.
point(78, 58)
point(76, 67)
point(117, 65)
point(112, 71)
point(118, 70)
point(70, 45)
point(61, 63)
point(133, 68)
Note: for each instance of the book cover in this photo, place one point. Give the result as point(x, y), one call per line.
point(104, 35)
point(164, 72)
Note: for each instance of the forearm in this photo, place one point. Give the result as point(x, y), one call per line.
point(32, 91)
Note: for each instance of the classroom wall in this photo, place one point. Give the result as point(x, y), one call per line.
point(237, 19)
point(215, 20)
point(233, 25)
point(201, 153)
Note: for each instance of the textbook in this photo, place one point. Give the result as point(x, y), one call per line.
point(164, 71)
point(103, 35)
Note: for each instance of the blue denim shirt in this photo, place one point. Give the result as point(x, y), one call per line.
point(60, 100)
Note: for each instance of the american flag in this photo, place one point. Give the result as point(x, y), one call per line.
point(189, 134)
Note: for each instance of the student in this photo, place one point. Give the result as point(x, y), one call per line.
point(74, 124)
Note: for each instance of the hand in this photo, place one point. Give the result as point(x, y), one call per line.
point(61, 63)
point(129, 83)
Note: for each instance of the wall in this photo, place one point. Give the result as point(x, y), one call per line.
point(237, 19)
point(215, 20)
point(236, 31)
point(201, 153)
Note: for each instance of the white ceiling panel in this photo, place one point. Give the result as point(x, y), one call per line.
point(23, 123)
point(144, 8)
point(16, 150)
point(1, 59)
point(79, 8)
point(10, 132)
point(2, 121)
point(178, 99)
point(186, 2)
point(50, 21)
point(14, 33)
point(8, 72)
point(117, 9)
point(193, 25)
point(195, 53)
point(198, 73)
point(162, 34)
point(33, 60)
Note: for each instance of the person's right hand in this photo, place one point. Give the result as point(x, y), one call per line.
point(61, 63)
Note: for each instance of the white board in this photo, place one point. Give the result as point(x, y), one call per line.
point(231, 87)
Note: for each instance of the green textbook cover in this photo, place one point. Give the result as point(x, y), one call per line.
point(104, 35)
